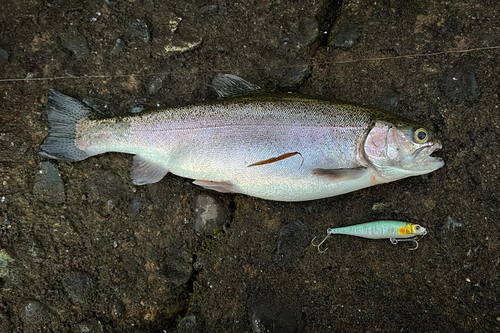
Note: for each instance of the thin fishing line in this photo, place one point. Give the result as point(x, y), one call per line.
point(333, 62)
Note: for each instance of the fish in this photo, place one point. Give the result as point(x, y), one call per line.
point(280, 147)
point(395, 231)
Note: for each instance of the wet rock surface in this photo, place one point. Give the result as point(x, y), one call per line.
point(84, 250)
point(48, 185)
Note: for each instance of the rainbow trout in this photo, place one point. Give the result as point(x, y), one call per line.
point(276, 147)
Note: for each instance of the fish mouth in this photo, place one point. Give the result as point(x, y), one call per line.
point(424, 159)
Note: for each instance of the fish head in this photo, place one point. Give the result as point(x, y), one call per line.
point(400, 151)
point(418, 230)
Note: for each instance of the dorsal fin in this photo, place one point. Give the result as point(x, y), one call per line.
point(230, 85)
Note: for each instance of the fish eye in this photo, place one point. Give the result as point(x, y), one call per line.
point(421, 135)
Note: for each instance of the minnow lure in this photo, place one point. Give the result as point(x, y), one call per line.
point(395, 231)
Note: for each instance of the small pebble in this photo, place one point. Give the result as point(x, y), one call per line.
point(138, 30)
point(344, 36)
point(178, 267)
point(76, 44)
point(460, 84)
point(90, 326)
point(272, 319)
point(190, 324)
point(32, 309)
point(4, 56)
point(119, 45)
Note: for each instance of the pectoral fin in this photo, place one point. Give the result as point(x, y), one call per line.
point(146, 172)
point(216, 186)
point(340, 174)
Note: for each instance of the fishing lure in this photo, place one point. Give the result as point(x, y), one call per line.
point(395, 231)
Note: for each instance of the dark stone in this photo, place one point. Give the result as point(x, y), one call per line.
point(118, 309)
point(32, 309)
point(119, 45)
point(76, 44)
point(148, 4)
point(35, 316)
point(76, 286)
point(293, 238)
point(137, 109)
point(289, 78)
point(209, 214)
point(266, 319)
point(138, 30)
point(345, 36)
point(306, 30)
point(198, 264)
point(4, 56)
point(460, 84)
point(178, 266)
point(190, 324)
point(48, 185)
point(156, 82)
point(294, 77)
point(136, 204)
point(90, 326)
point(221, 48)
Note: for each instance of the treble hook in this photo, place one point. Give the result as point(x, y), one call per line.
point(328, 234)
point(397, 240)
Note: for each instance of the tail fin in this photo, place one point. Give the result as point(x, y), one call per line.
point(63, 114)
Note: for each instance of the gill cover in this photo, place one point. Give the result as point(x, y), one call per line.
point(400, 152)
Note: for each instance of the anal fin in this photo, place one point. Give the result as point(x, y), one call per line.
point(340, 174)
point(222, 187)
point(146, 172)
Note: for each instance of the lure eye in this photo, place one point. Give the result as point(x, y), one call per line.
point(421, 135)
point(417, 227)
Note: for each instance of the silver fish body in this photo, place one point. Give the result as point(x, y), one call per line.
point(276, 147)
